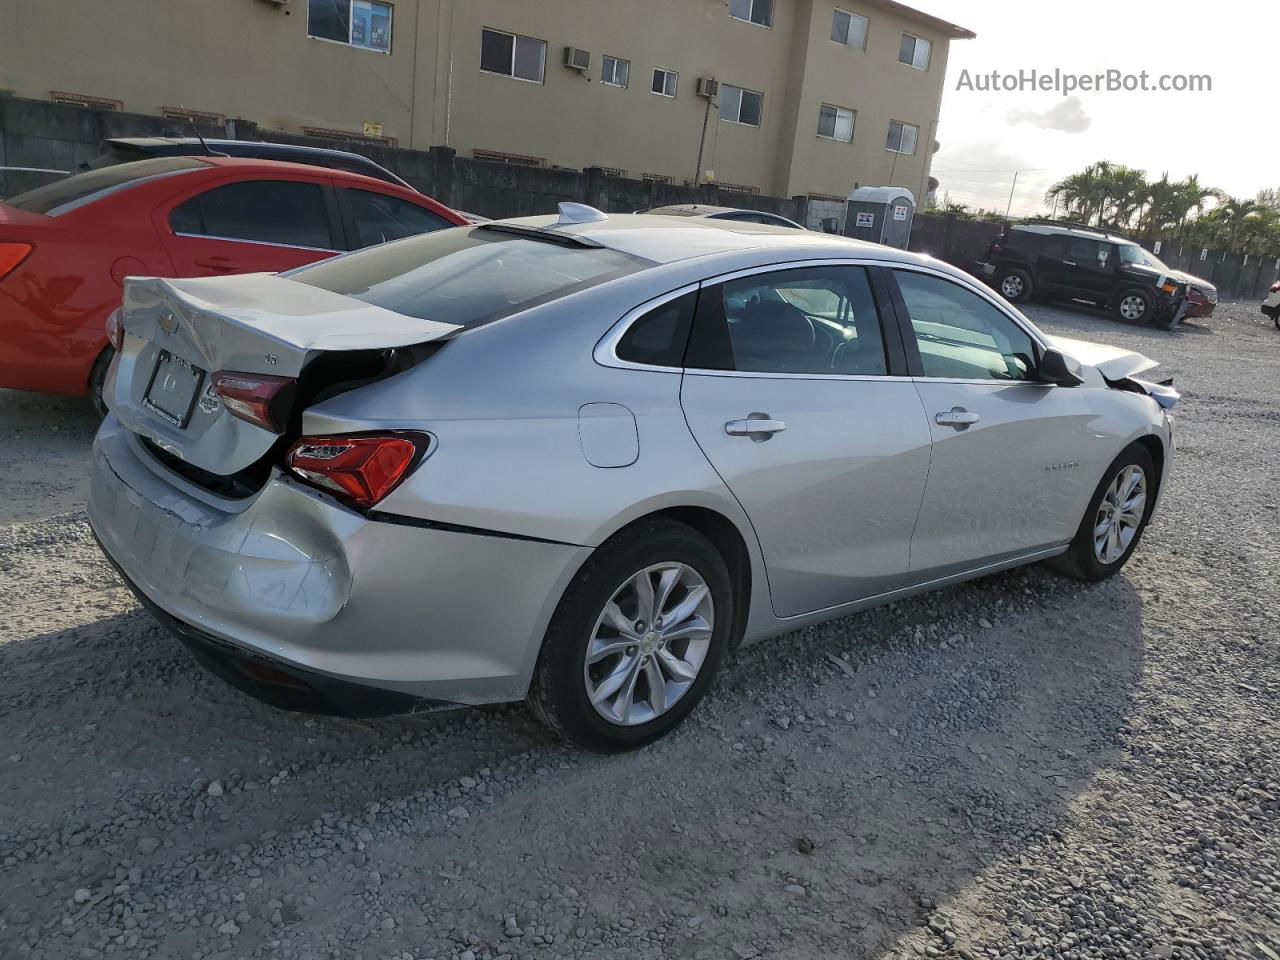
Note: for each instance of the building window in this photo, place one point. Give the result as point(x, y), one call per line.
point(835, 122)
point(664, 82)
point(615, 72)
point(914, 52)
point(512, 55)
point(361, 23)
point(902, 137)
point(752, 11)
point(849, 29)
point(740, 106)
point(655, 178)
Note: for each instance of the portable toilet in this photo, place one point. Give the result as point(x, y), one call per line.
point(881, 215)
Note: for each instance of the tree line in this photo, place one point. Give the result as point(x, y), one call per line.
point(1120, 198)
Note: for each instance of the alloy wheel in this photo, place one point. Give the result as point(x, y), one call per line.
point(1011, 286)
point(1132, 307)
point(649, 643)
point(1120, 514)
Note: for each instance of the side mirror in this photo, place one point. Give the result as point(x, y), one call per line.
point(1056, 367)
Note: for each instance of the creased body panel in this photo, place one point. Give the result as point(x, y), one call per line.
point(277, 577)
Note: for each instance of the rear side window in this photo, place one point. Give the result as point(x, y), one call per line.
point(813, 320)
point(258, 211)
point(659, 337)
point(379, 218)
point(62, 196)
point(468, 277)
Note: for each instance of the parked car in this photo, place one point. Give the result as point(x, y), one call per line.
point(1074, 262)
point(128, 149)
point(65, 248)
point(580, 460)
point(723, 213)
point(1271, 306)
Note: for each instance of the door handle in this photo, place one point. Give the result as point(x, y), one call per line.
point(957, 417)
point(221, 264)
point(758, 426)
point(1069, 263)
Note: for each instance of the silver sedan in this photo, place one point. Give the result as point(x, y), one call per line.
point(579, 460)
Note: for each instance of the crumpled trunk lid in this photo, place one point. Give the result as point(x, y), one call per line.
point(180, 333)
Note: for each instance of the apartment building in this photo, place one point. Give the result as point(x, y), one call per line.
point(784, 97)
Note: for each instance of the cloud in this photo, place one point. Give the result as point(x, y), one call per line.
point(1068, 117)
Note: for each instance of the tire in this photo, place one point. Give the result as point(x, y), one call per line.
point(1275, 318)
point(97, 379)
point(1134, 306)
point(563, 682)
point(1014, 284)
point(1083, 559)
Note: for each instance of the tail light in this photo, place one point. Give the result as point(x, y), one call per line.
point(256, 398)
point(115, 329)
point(12, 254)
point(359, 469)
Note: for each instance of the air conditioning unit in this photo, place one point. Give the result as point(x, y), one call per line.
point(708, 87)
point(577, 59)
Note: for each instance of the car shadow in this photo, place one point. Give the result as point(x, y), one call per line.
point(875, 764)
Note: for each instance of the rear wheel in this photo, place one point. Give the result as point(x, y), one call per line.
point(1135, 306)
point(1115, 519)
point(636, 639)
point(1014, 284)
point(97, 379)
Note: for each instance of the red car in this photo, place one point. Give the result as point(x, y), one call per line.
point(66, 248)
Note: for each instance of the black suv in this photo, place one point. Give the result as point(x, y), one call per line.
point(1075, 262)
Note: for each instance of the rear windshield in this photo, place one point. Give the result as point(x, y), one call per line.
point(467, 276)
point(64, 195)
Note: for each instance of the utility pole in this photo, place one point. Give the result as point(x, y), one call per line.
point(1011, 189)
point(706, 115)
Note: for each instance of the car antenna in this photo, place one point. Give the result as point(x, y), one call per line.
point(196, 130)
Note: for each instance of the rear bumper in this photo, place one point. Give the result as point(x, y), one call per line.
point(349, 608)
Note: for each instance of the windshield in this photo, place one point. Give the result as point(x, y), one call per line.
point(65, 195)
point(467, 276)
point(1132, 253)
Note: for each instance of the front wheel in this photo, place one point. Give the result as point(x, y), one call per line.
point(1135, 306)
point(636, 639)
point(1115, 519)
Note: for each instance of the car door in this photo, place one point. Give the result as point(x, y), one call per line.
point(799, 399)
point(1012, 456)
point(247, 226)
point(372, 217)
point(1092, 265)
point(1052, 271)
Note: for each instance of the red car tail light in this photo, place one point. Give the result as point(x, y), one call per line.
point(256, 398)
point(12, 254)
point(359, 469)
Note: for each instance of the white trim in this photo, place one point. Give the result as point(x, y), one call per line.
point(259, 243)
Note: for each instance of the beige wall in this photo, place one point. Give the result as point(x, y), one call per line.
point(252, 59)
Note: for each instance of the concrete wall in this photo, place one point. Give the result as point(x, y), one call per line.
point(36, 133)
point(252, 59)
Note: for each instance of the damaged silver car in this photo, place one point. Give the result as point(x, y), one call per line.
point(579, 460)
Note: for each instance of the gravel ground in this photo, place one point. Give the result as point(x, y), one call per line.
point(1019, 767)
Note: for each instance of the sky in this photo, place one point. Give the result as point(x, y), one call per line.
point(1229, 135)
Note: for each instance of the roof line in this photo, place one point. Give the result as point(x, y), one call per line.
point(952, 30)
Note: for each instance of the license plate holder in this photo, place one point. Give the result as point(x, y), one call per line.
point(172, 391)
